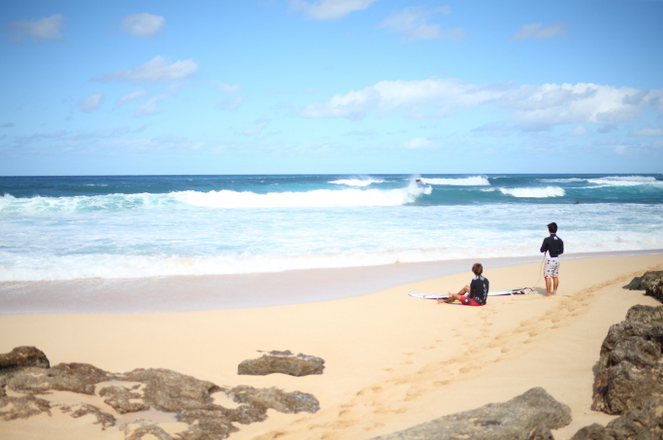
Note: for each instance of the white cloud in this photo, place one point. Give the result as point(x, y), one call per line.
point(91, 103)
point(229, 88)
point(412, 24)
point(539, 31)
point(130, 96)
point(232, 103)
point(143, 25)
point(8, 125)
point(580, 130)
point(43, 29)
point(533, 107)
point(330, 9)
point(156, 70)
point(150, 107)
point(647, 132)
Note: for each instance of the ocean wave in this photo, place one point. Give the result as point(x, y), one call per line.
point(10, 205)
point(321, 198)
point(357, 181)
point(50, 205)
point(536, 193)
point(625, 181)
point(460, 181)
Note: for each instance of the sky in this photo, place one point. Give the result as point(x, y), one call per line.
point(330, 87)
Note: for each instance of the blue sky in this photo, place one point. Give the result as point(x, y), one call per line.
point(331, 86)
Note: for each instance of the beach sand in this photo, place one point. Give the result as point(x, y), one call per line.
point(391, 361)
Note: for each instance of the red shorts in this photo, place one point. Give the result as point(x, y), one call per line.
point(467, 301)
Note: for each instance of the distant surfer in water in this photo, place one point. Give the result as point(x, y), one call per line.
point(473, 295)
point(555, 247)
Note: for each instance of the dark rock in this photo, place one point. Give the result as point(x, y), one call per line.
point(170, 391)
point(77, 378)
point(152, 430)
point(123, 400)
point(630, 368)
point(207, 424)
point(276, 399)
point(635, 284)
point(282, 362)
point(22, 357)
point(104, 419)
point(594, 432)
point(22, 407)
point(645, 314)
point(638, 424)
point(652, 282)
point(524, 417)
point(188, 398)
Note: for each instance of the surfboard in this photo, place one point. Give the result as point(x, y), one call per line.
point(522, 291)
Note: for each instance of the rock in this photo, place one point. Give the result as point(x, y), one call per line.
point(651, 282)
point(22, 357)
point(188, 398)
point(170, 391)
point(645, 314)
point(593, 432)
point(123, 399)
point(630, 368)
point(634, 284)
point(639, 424)
point(12, 408)
point(136, 431)
point(104, 419)
point(524, 417)
point(75, 377)
point(282, 362)
point(276, 399)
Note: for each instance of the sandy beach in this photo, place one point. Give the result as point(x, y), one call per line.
point(392, 361)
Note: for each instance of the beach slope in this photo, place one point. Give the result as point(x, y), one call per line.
point(391, 361)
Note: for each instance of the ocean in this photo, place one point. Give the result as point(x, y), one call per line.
point(112, 227)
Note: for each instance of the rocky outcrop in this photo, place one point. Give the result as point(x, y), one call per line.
point(651, 282)
point(630, 369)
point(189, 399)
point(22, 357)
point(282, 362)
point(637, 424)
point(529, 416)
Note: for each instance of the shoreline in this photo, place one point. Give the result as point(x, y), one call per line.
point(391, 361)
point(220, 292)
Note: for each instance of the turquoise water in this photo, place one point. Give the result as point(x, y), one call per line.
point(59, 228)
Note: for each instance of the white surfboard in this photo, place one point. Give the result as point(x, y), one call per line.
point(522, 291)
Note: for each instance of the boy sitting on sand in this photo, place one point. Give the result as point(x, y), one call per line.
point(473, 295)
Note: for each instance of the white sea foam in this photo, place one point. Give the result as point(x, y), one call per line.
point(534, 192)
point(322, 198)
point(112, 202)
point(358, 181)
point(130, 244)
point(626, 181)
point(460, 181)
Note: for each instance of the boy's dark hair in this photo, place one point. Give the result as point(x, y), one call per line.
point(552, 227)
point(477, 268)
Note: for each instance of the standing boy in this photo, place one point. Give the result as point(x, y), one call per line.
point(555, 247)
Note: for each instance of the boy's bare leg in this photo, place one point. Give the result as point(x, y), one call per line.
point(454, 296)
point(548, 288)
